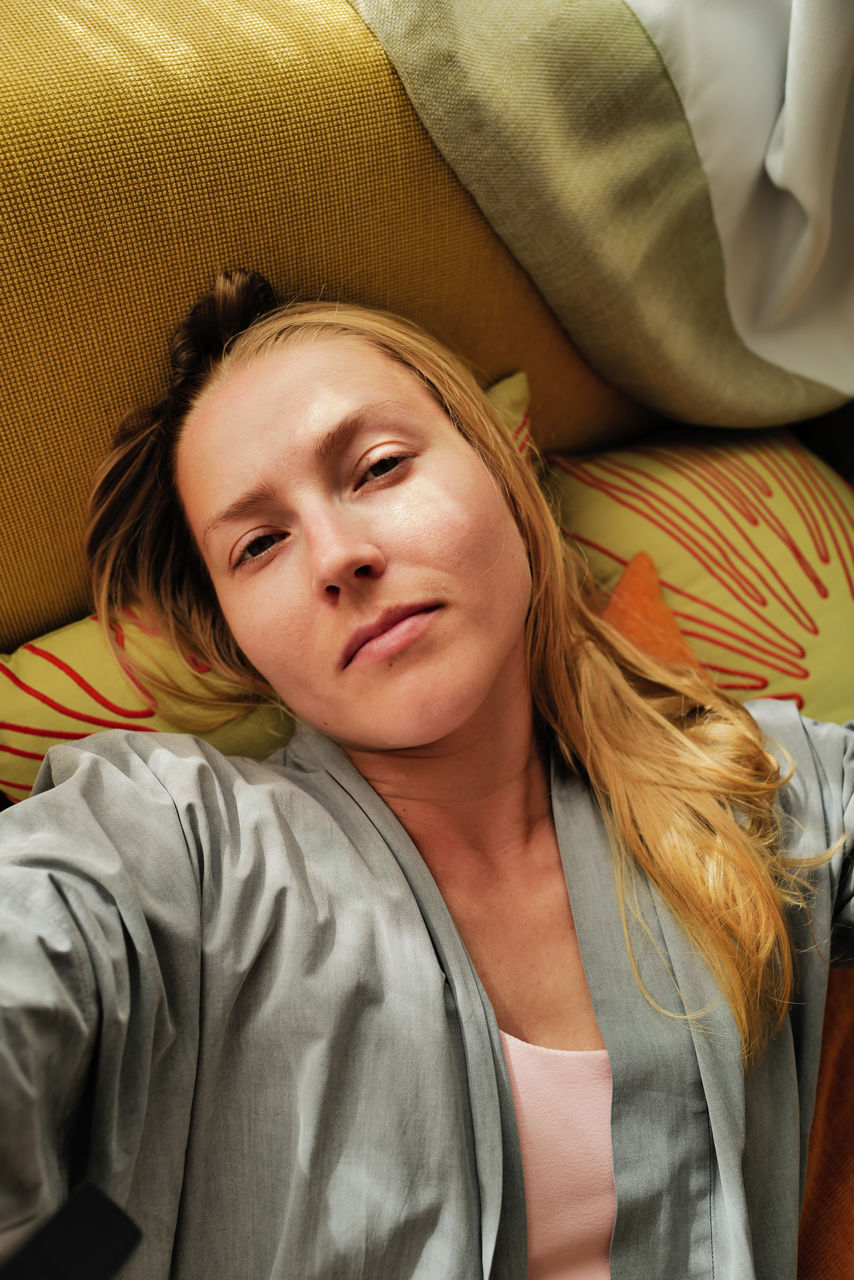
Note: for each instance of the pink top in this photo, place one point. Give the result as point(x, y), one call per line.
point(563, 1113)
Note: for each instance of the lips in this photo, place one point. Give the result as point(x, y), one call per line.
point(386, 622)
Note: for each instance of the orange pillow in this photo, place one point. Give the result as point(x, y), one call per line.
point(637, 609)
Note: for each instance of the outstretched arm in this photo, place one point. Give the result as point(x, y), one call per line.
point(98, 914)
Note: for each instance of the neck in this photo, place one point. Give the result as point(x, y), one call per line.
point(482, 795)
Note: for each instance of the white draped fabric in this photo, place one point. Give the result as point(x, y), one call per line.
point(766, 86)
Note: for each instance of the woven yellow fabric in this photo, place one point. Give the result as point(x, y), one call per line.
point(145, 145)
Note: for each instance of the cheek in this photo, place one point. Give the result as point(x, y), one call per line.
point(507, 567)
point(464, 522)
point(516, 578)
point(271, 631)
point(489, 541)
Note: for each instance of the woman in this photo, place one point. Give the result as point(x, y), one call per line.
point(296, 1017)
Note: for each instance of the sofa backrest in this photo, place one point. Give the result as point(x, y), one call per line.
point(146, 146)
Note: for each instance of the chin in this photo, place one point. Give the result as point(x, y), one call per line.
point(409, 732)
point(398, 738)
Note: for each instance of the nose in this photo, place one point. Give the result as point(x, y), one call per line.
point(343, 554)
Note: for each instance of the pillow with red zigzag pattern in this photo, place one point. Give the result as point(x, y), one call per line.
point(67, 685)
point(752, 537)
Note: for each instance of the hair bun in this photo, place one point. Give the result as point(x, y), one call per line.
point(237, 299)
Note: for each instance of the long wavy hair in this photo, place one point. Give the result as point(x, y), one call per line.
point(679, 769)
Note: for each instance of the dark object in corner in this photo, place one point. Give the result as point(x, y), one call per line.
point(89, 1238)
point(832, 438)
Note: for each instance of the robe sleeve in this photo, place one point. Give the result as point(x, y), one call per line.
point(832, 747)
point(98, 913)
point(818, 815)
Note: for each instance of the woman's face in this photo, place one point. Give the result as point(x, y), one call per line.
point(364, 558)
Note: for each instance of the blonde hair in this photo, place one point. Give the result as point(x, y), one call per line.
point(680, 770)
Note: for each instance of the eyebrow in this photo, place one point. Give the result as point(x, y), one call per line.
point(338, 435)
point(262, 494)
point(242, 506)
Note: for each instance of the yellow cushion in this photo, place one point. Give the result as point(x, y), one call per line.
point(67, 685)
point(752, 537)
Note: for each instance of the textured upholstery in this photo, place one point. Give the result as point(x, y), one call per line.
point(563, 121)
point(752, 537)
point(148, 143)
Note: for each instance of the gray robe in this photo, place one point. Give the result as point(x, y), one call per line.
point(232, 996)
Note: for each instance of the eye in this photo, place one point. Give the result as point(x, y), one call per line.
point(383, 466)
point(257, 548)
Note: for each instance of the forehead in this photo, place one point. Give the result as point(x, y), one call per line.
point(307, 386)
point(279, 416)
